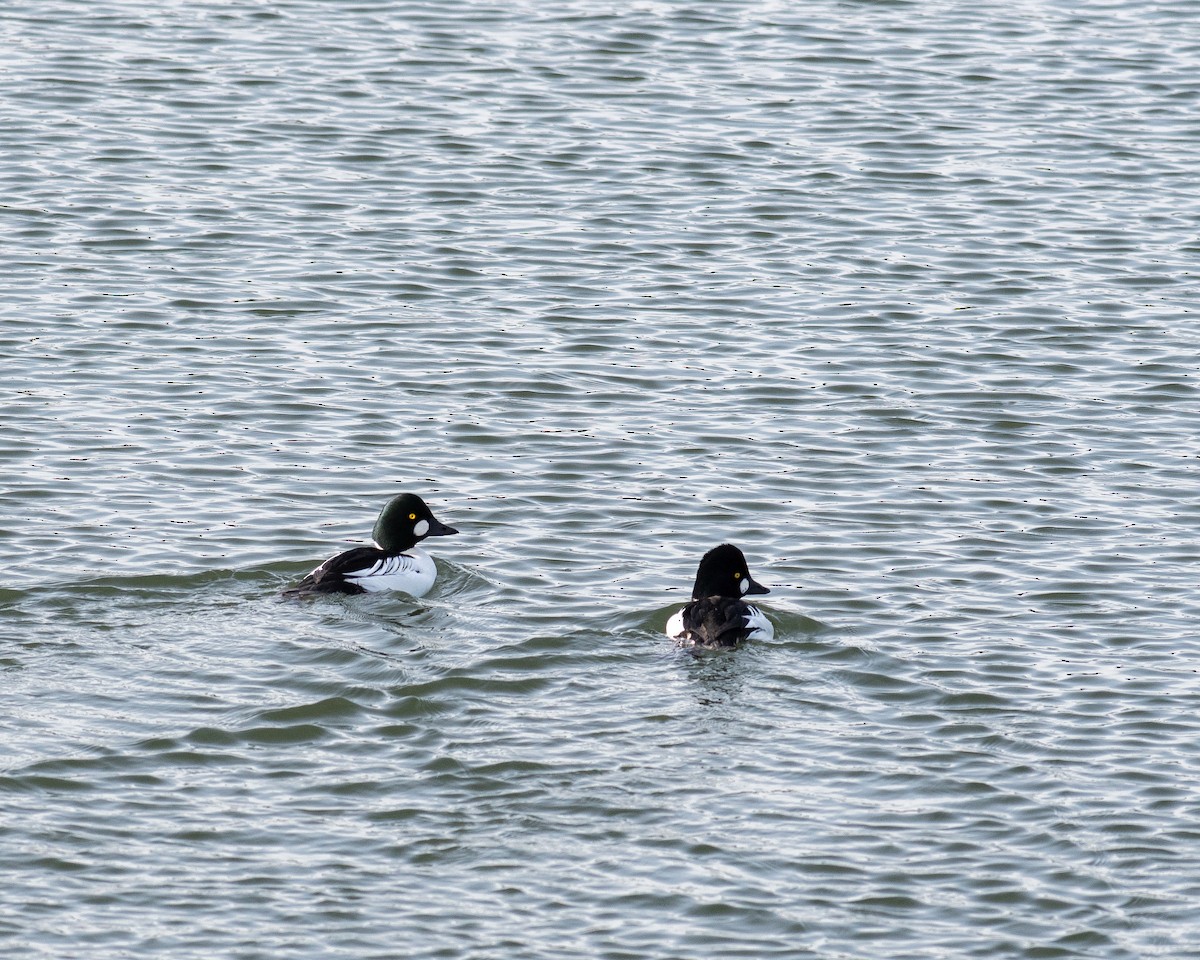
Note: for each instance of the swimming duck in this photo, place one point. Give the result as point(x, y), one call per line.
point(717, 615)
point(394, 563)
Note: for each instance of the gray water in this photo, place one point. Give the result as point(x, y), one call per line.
point(899, 297)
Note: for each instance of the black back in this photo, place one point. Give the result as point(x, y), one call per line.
point(330, 577)
point(716, 622)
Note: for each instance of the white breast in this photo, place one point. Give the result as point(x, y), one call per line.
point(412, 572)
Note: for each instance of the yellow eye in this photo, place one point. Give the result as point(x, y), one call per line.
point(737, 576)
point(412, 516)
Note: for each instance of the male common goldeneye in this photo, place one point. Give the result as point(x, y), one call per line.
point(717, 615)
point(394, 563)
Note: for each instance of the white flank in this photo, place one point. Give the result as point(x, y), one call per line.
point(760, 626)
point(413, 572)
point(675, 625)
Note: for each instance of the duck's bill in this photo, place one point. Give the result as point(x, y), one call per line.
point(439, 529)
point(756, 587)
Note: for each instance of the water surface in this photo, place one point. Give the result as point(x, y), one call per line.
point(898, 297)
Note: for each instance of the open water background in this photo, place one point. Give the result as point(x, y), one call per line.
point(900, 297)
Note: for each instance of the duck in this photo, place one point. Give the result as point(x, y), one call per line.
point(718, 616)
point(395, 562)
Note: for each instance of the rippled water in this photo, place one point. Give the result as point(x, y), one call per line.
point(899, 297)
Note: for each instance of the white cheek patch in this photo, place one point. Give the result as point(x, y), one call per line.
point(421, 528)
point(744, 584)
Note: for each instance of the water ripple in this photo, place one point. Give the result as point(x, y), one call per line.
point(900, 304)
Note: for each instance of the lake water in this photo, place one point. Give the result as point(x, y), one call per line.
point(899, 297)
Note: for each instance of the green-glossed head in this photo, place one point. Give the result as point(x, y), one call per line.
point(404, 521)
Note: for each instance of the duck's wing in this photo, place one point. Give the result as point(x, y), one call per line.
point(330, 577)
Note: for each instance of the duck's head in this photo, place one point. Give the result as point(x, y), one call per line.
point(723, 573)
point(404, 522)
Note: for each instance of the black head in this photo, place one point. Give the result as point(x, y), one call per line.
point(404, 522)
point(723, 573)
